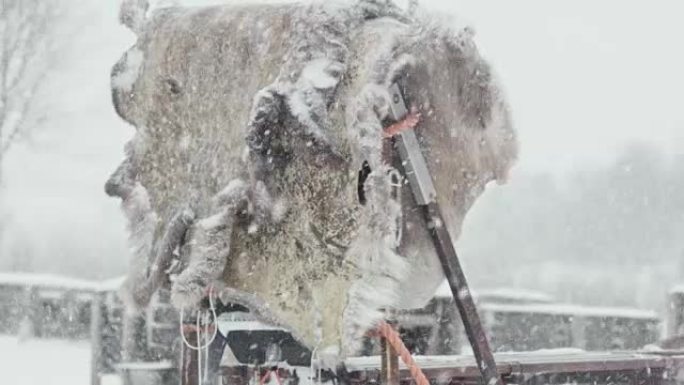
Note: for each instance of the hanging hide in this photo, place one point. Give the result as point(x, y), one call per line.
point(253, 124)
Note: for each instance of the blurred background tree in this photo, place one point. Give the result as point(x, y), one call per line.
point(599, 235)
point(28, 41)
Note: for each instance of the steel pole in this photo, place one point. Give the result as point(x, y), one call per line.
point(422, 186)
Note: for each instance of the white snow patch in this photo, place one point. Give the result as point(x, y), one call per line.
point(231, 195)
point(300, 109)
point(557, 351)
point(233, 326)
point(234, 187)
point(184, 142)
point(279, 210)
point(319, 74)
point(253, 228)
point(44, 362)
point(146, 366)
point(125, 79)
point(215, 221)
point(112, 284)
point(111, 379)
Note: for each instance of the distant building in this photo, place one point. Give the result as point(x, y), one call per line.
point(524, 320)
point(45, 306)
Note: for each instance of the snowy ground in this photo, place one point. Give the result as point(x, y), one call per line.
point(44, 362)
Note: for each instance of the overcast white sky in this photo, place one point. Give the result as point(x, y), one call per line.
point(584, 78)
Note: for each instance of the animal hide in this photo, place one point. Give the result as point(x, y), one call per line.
point(253, 125)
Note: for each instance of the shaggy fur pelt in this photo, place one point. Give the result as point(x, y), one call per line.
point(253, 122)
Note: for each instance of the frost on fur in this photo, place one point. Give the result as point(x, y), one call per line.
point(304, 88)
point(263, 143)
point(380, 268)
point(210, 242)
point(132, 14)
point(365, 124)
point(142, 222)
point(308, 80)
point(209, 238)
point(169, 246)
point(127, 72)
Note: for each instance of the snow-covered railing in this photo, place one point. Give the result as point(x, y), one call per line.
point(111, 285)
point(47, 281)
point(500, 294)
point(571, 310)
point(543, 367)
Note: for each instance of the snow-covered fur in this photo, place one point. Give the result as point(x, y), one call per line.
point(133, 14)
point(142, 224)
point(258, 118)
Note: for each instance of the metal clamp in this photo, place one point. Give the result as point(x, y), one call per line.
point(412, 157)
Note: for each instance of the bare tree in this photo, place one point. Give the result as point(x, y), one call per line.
point(27, 38)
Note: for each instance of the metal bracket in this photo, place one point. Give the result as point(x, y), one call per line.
point(409, 149)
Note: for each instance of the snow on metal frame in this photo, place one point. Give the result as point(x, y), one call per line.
point(571, 310)
point(542, 361)
point(500, 294)
point(111, 285)
point(46, 281)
